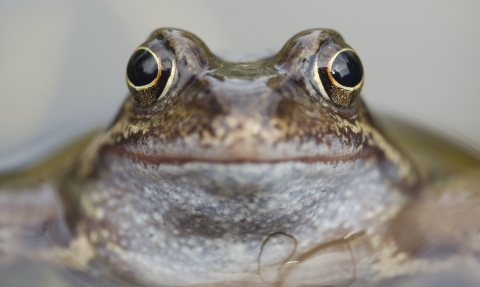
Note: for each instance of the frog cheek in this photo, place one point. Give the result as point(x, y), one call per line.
point(341, 78)
point(149, 78)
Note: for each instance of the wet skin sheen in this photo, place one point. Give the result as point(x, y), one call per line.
point(264, 173)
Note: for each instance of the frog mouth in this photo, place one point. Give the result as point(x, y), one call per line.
point(246, 148)
point(235, 158)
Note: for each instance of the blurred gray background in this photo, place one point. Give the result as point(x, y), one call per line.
point(62, 63)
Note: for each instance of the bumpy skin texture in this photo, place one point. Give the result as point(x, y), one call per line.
point(252, 173)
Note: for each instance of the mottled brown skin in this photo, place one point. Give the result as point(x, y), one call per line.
point(251, 173)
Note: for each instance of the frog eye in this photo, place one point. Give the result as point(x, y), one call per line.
point(340, 77)
point(148, 77)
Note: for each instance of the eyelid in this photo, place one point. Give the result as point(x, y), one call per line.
point(316, 76)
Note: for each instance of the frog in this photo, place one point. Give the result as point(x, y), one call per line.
point(270, 172)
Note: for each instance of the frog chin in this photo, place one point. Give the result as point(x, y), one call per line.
point(215, 217)
point(214, 198)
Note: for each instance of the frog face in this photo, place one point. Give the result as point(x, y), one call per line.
point(258, 139)
point(221, 155)
point(186, 104)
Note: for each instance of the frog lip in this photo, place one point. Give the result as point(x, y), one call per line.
point(165, 160)
point(247, 149)
point(179, 159)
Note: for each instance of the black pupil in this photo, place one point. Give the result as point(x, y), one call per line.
point(347, 69)
point(142, 68)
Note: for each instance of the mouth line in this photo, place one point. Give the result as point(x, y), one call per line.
point(179, 160)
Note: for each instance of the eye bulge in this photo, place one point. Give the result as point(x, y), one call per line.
point(150, 72)
point(338, 73)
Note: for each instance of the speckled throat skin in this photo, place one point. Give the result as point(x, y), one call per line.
point(237, 168)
